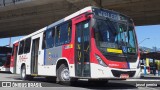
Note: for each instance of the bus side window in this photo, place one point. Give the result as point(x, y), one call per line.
point(53, 35)
point(48, 38)
point(27, 45)
point(44, 41)
point(69, 31)
point(21, 47)
point(57, 36)
point(63, 33)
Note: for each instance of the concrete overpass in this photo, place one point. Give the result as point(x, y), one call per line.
point(21, 17)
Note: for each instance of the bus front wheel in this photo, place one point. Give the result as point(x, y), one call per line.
point(63, 76)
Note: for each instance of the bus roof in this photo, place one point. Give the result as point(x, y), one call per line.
point(58, 22)
point(62, 20)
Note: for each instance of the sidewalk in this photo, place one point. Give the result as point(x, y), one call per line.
point(150, 76)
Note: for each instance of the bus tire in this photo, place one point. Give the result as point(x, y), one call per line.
point(63, 75)
point(23, 73)
point(24, 76)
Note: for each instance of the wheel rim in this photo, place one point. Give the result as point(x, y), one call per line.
point(65, 75)
point(23, 73)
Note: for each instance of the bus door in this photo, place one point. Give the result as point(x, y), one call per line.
point(13, 63)
point(81, 25)
point(34, 56)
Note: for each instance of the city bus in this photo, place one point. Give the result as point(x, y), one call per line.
point(5, 55)
point(13, 58)
point(92, 43)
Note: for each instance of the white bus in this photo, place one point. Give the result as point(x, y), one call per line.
point(5, 56)
point(92, 43)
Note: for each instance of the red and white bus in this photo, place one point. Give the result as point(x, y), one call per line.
point(5, 55)
point(92, 43)
point(13, 58)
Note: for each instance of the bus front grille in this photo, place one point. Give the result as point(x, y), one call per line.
point(117, 73)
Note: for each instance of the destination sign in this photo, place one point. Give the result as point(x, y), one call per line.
point(109, 14)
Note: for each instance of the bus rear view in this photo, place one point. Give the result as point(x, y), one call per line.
point(5, 55)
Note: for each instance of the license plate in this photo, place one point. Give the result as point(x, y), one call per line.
point(125, 76)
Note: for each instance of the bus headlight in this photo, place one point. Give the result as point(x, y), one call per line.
point(100, 61)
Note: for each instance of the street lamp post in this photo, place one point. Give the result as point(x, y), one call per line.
point(145, 72)
point(143, 40)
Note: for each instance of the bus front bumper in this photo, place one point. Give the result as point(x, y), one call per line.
point(101, 72)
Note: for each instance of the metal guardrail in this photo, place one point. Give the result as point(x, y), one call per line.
point(10, 2)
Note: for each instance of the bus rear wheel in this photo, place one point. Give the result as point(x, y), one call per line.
point(24, 76)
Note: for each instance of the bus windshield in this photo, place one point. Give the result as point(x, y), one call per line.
point(115, 35)
point(3, 59)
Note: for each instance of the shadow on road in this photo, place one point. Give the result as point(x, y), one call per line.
point(85, 84)
point(109, 85)
point(2, 72)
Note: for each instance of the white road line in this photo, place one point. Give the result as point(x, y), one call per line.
point(143, 80)
point(147, 88)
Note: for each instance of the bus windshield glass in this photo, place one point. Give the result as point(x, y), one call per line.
point(115, 35)
point(3, 59)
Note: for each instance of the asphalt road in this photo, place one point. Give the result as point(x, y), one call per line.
point(40, 83)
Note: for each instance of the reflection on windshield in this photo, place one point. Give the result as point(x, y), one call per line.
point(125, 36)
point(110, 34)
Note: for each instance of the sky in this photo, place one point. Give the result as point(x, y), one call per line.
point(152, 32)
point(5, 41)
